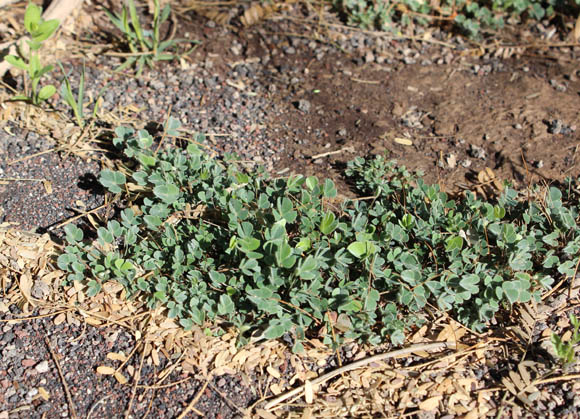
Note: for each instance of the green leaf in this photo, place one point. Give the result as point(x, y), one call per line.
point(412, 277)
point(469, 283)
point(277, 328)
point(304, 244)
point(361, 249)
point(45, 30)
point(453, 243)
point(46, 92)
point(284, 257)
point(225, 305)
point(187, 324)
point(152, 221)
point(329, 190)
point(311, 182)
point(168, 193)
point(248, 244)
point(351, 306)
point(511, 290)
point(93, 288)
point(307, 268)
point(328, 223)
point(285, 209)
point(111, 180)
point(135, 21)
point(16, 62)
point(146, 159)
point(397, 337)
point(105, 235)
point(73, 233)
point(407, 221)
point(64, 260)
point(32, 17)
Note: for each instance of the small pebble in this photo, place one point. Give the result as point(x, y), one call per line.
point(42, 367)
point(303, 105)
point(28, 362)
point(477, 152)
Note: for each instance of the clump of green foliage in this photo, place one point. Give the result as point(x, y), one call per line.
point(469, 16)
point(209, 241)
point(146, 46)
point(565, 351)
point(39, 30)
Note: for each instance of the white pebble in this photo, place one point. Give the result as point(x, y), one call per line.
point(42, 367)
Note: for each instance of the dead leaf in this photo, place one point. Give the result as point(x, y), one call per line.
point(47, 186)
point(93, 321)
point(273, 372)
point(257, 12)
point(403, 141)
point(59, 319)
point(264, 414)
point(431, 403)
point(120, 377)
point(577, 29)
point(43, 393)
point(116, 356)
point(276, 389)
point(104, 370)
point(155, 357)
point(25, 284)
point(308, 392)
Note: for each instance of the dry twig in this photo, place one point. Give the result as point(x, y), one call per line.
point(71, 407)
point(192, 403)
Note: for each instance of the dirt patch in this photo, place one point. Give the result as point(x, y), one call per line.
point(455, 119)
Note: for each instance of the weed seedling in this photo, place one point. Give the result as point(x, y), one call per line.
point(565, 350)
point(144, 45)
point(77, 104)
point(40, 30)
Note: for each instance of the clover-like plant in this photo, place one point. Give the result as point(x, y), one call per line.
point(208, 241)
point(470, 17)
point(39, 30)
point(145, 46)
